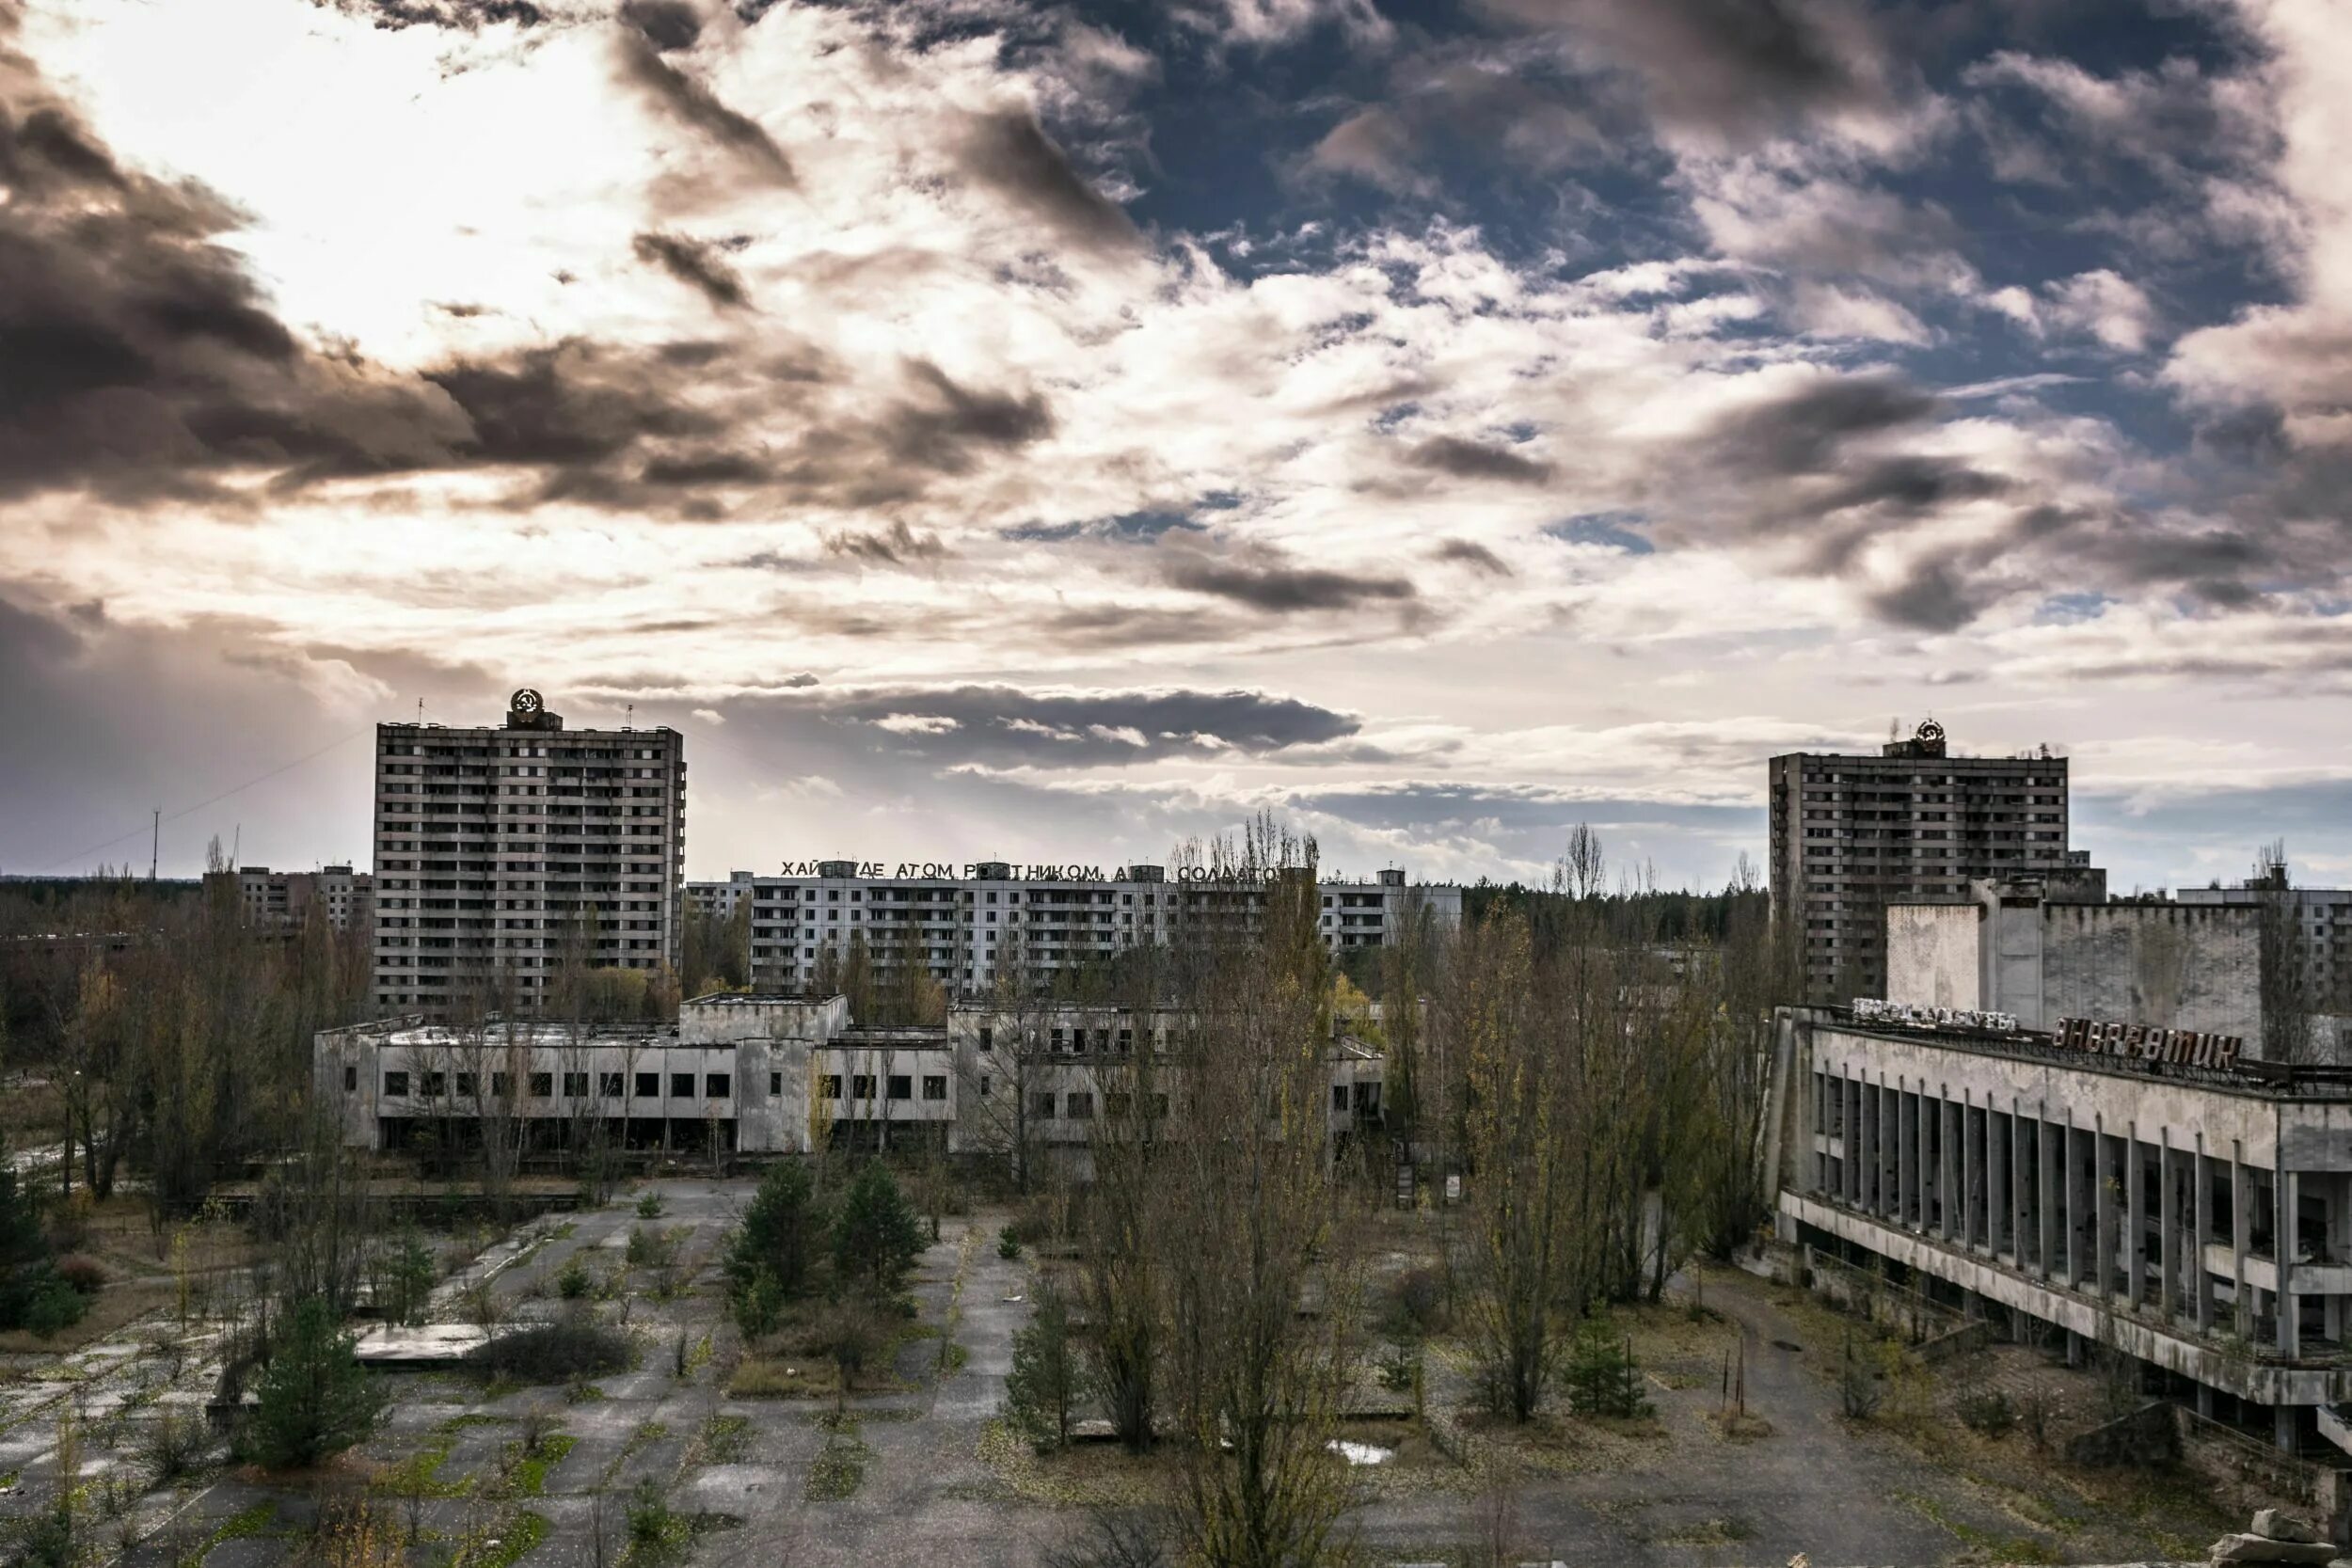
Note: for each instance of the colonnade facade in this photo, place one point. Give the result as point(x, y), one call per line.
point(2141, 1211)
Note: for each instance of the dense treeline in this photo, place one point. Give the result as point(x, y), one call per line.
point(1656, 915)
point(172, 1035)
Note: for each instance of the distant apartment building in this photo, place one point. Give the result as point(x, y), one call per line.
point(1853, 833)
point(501, 852)
point(965, 924)
point(343, 898)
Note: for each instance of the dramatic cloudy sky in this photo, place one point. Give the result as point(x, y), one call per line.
point(1049, 430)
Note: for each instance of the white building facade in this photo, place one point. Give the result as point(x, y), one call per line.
point(964, 924)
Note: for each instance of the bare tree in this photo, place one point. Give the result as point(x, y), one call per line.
point(1260, 1284)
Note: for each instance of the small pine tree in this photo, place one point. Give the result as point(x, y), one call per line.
point(877, 1236)
point(32, 1293)
point(1044, 1384)
point(315, 1400)
point(778, 1237)
point(1603, 1378)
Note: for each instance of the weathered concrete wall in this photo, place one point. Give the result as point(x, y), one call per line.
point(1932, 955)
point(2166, 965)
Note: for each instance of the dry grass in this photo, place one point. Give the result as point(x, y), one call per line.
point(775, 1377)
point(110, 1310)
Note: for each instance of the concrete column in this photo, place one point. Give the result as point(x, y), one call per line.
point(1870, 1137)
point(1948, 1166)
point(1850, 1125)
point(2044, 1136)
point(2081, 1225)
point(1906, 1162)
point(2021, 1137)
point(2134, 1232)
point(1927, 1193)
point(2200, 1210)
point(2168, 1231)
point(2103, 1208)
point(2241, 1218)
point(1971, 1169)
point(1998, 1131)
point(2282, 1427)
point(2283, 1189)
point(1890, 1145)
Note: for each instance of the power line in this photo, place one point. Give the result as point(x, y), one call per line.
point(214, 801)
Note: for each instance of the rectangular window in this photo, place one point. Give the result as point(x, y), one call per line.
point(901, 1087)
point(775, 1085)
point(934, 1086)
point(861, 1086)
point(650, 1086)
point(984, 1086)
point(351, 1078)
point(1042, 1104)
point(609, 1083)
point(1080, 1106)
point(468, 1085)
point(574, 1086)
point(682, 1085)
point(435, 1084)
point(396, 1085)
point(1058, 1040)
point(502, 1084)
point(988, 1038)
point(718, 1086)
point(829, 1087)
point(1338, 1097)
point(1117, 1103)
point(542, 1085)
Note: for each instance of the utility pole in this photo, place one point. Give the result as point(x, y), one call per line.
point(155, 846)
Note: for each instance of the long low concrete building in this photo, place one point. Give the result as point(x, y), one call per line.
point(2199, 1218)
point(777, 1075)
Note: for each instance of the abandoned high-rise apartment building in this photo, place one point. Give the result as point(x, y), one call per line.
point(1853, 833)
point(496, 848)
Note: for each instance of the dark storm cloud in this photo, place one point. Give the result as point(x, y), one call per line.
point(460, 15)
point(896, 546)
point(566, 405)
point(1934, 597)
point(1736, 68)
point(1006, 726)
point(1009, 152)
point(1466, 552)
point(1452, 455)
point(1807, 431)
point(685, 100)
point(944, 422)
point(1265, 581)
point(697, 470)
point(696, 263)
point(137, 356)
point(668, 25)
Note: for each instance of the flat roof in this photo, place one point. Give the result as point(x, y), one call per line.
point(2263, 1080)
